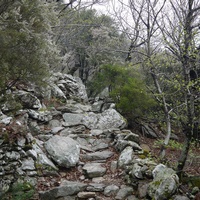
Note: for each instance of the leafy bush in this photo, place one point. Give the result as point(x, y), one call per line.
point(20, 191)
point(27, 50)
point(126, 87)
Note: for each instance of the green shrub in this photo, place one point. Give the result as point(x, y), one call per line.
point(126, 87)
point(20, 191)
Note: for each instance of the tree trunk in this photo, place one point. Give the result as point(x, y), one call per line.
point(183, 156)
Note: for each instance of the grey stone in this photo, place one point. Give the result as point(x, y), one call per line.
point(113, 166)
point(132, 137)
point(54, 123)
point(100, 146)
point(6, 120)
point(164, 184)
point(65, 85)
point(132, 197)
point(74, 107)
point(67, 198)
point(123, 193)
point(63, 150)
point(96, 132)
point(108, 119)
point(111, 190)
point(55, 130)
point(67, 188)
point(97, 106)
point(28, 100)
point(142, 190)
point(96, 187)
point(94, 170)
point(122, 144)
point(72, 119)
point(137, 171)
point(125, 157)
point(99, 155)
point(40, 115)
point(13, 155)
point(56, 91)
point(28, 164)
point(158, 169)
point(180, 197)
point(98, 179)
point(86, 195)
point(65, 132)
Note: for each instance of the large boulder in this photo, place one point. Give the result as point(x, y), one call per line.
point(108, 119)
point(28, 100)
point(164, 184)
point(66, 189)
point(63, 150)
point(67, 86)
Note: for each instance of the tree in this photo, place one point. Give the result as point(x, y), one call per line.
point(88, 40)
point(127, 89)
point(181, 37)
point(145, 36)
point(27, 50)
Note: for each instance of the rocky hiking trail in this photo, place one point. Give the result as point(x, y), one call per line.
point(96, 176)
point(70, 148)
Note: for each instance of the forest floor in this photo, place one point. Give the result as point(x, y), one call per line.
point(173, 152)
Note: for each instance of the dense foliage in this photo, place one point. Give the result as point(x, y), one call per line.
point(126, 87)
point(27, 48)
point(164, 50)
point(88, 40)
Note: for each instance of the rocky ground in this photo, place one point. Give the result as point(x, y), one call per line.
point(104, 180)
point(70, 148)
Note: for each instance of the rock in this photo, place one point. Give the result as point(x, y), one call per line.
point(28, 100)
point(12, 155)
point(132, 137)
point(94, 170)
point(108, 119)
point(28, 164)
point(123, 193)
point(122, 144)
point(132, 197)
point(100, 146)
point(67, 188)
point(98, 179)
point(56, 129)
point(96, 187)
point(54, 123)
point(125, 157)
point(56, 91)
point(99, 155)
point(97, 106)
point(6, 120)
point(72, 119)
point(148, 131)
point(180, 197)
point(86, 195)
point(43, 116)
point(164, 184)
point(96, 132)
point(137, 171)
point(74, 107)
point(111, 190)
point(63, 150)
point(65, 85)
point(158, 169)
point(142, 190)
